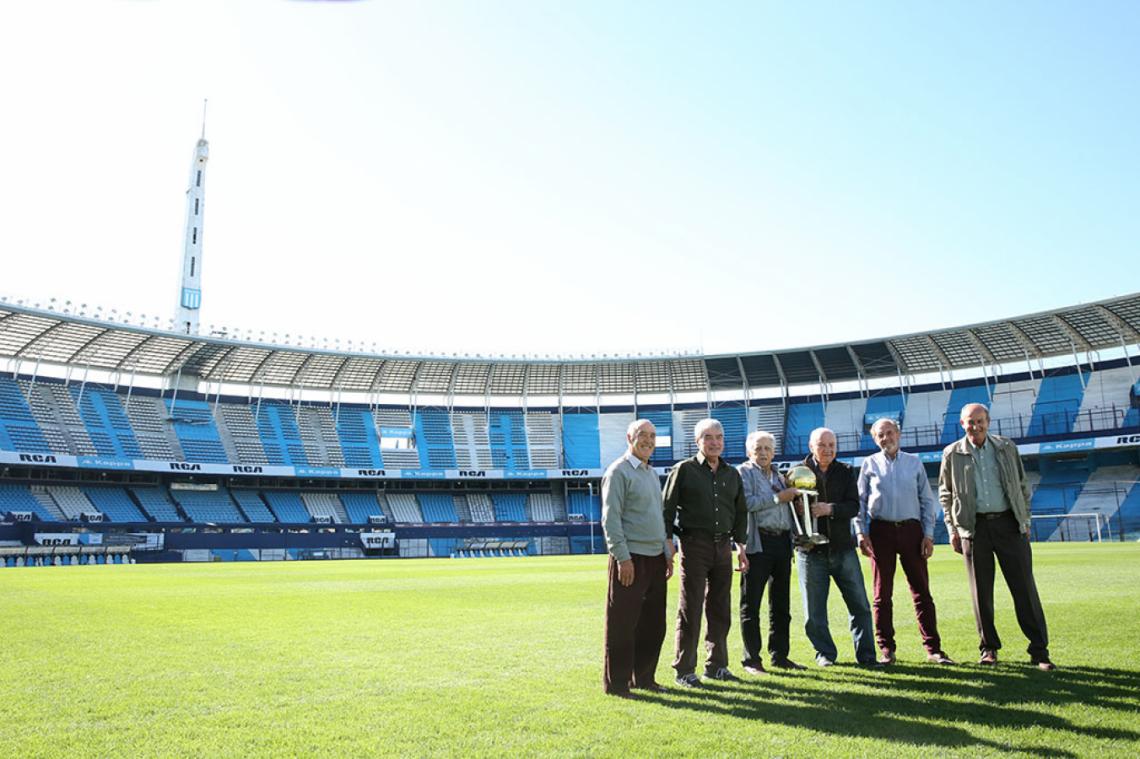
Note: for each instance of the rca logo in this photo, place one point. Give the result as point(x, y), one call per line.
point(38, 458)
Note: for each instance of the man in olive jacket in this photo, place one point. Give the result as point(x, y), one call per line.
point(985, 495)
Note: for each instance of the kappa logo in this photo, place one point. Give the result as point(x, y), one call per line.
point(38, 458)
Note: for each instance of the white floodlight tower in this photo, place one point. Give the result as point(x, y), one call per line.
point(190, 293)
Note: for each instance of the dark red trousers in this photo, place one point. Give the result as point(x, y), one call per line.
point(635, 625)
point(902, 541)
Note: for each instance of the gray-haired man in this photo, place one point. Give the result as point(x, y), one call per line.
point(641, 561)
point(769, 550)
point(705, 497)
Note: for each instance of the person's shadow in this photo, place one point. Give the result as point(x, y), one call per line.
point(934, 706)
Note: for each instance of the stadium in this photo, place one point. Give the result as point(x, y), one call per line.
point(127, 443)
point(222, 542)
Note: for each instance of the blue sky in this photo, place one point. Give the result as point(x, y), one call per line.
point(576, 178)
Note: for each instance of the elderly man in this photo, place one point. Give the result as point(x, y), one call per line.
point(896, 519)
point(640, 564)
point(983, 489)
point(704, 496)
point(769, 550)
point(837, 505)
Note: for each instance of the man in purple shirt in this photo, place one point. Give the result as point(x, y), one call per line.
point(896, 519)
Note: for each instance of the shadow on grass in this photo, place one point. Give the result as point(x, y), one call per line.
point(907, 703)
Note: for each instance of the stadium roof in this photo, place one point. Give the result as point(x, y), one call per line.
point(32, 334)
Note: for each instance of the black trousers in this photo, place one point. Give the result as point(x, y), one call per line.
point(771, 568)
point(635, 625)
point(1002, 538)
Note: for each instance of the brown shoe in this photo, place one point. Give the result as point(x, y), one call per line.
point(989, 657)
point(939, 658)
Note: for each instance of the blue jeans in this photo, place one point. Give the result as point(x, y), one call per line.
point(816, 568)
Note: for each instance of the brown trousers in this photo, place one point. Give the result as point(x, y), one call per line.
point(635, 625)
point(706, 584)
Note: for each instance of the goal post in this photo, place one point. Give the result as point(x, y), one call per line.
point(1083, 526)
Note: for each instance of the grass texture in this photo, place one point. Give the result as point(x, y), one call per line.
point(489, 657)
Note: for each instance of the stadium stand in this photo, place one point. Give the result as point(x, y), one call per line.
point(115, 503)
point(287, 506)
point(482, 509)
point(438, 507)
point(404, 507)
point(543, 440)
point(252, 506)
point(511, 507)
point(360, 506)
point(18, 428)
point(208, 506)
point(157, 503)
point(18, 498)
point(143, 431)
point(580, 440)
point(107, 425)
point(325, 505)
point(507, 439)
point(197, 434)
point(356, 432)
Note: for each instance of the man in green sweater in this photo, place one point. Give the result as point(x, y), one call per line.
point(640, 564)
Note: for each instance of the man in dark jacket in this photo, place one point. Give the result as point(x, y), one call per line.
point(838, 488)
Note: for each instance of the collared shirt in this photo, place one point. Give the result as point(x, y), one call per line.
point(632, 515)
point(987, 478)
point(895, 490)
point(701, 500)
point(760, 491)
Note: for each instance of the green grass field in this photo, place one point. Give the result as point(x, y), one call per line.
point(503, 656)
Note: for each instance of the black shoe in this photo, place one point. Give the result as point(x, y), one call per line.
point(688, 681)
point(989, 657)
point(723, 675)
point(786, 663)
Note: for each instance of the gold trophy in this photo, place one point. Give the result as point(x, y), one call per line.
point(807, 527)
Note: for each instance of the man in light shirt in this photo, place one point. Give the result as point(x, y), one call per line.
point(896, 520)
point(640, 564)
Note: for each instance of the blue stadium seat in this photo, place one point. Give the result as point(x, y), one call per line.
point(15, 497)
point(360, 506)
point(208, 506)
point(509, 507)
point(251, 504)
point(803, 417)
point(106, 422)
point(288, 506)
point(115, 503)
point(157, 503)
point(196, 430)
point(18, 428)
point(438, 507)
point(580, 444)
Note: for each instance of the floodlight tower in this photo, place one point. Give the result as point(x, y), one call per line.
point(190, 294)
